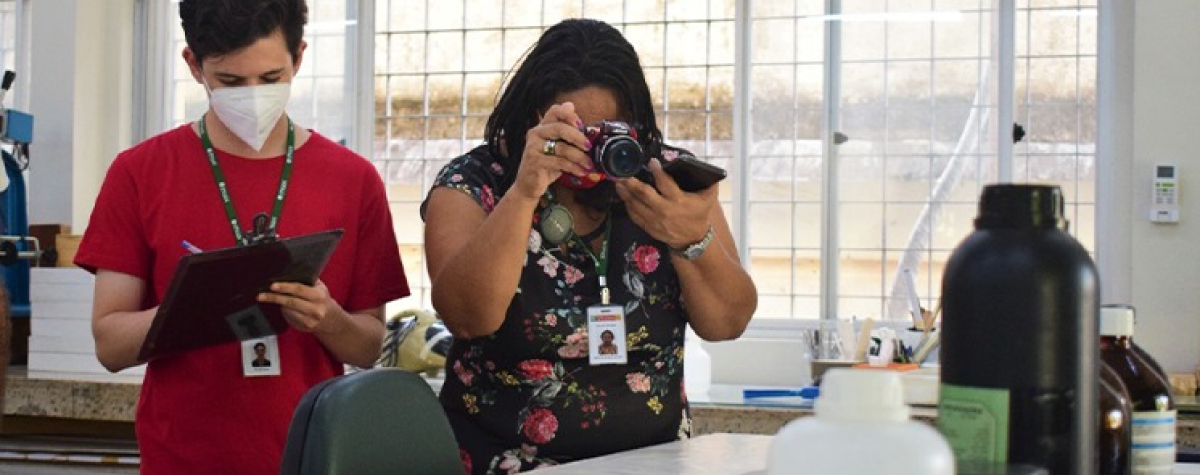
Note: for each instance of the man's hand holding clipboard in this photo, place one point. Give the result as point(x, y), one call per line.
point(305, 307)
point(213, 297)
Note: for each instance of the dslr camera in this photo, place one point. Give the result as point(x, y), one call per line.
point(615, 149)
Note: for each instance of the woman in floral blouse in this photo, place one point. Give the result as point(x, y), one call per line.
point(526, 386)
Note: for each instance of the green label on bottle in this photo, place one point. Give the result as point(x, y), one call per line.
point(975, 422)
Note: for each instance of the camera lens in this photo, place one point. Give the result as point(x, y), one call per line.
point(622, 157)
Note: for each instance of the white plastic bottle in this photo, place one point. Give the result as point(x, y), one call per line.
point(861, 427)
point(697, 366)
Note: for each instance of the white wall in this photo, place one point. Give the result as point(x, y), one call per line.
point(80, 95)
point(1166, 123)
point(51, 101)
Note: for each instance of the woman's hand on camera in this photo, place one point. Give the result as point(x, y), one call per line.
point(560, 126)
point(669, 214)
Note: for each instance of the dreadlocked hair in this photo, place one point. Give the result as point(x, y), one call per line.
point(569, 56)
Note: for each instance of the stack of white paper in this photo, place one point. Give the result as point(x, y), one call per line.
point(60, 340)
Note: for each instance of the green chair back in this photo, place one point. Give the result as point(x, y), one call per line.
point(379, 421)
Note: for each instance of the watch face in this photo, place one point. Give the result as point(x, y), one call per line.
point(696, 250)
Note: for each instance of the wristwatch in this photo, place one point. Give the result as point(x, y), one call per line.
point(696, 249)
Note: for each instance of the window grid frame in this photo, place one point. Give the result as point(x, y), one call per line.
point(1077, 202)
point(423, 159)
point(428, 164)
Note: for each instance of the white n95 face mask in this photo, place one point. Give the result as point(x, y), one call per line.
point(250, 112)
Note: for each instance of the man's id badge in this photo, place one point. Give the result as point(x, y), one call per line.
point(606, 335)
point(260, 357)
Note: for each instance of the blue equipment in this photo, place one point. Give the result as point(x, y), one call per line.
point(17, 248)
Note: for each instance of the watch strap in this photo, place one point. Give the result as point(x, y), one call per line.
point(696, 249)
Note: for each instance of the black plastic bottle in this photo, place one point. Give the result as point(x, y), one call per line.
point(1115, 432)
point(1149, 392)
point(1020, 339)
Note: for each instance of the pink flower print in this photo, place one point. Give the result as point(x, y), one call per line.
point(457, 177)
point(572, 274)
point(509, 464)
point(549, 266)
point(551, 319)
point(536, 370)
point(465, 375)
point(573, 350)
point(576, 345)
point(535, 240)
point(670, 155)
point(466, 460)
point(488, 198)
point(638, 382)
point(540, 426)
point(497, 168)
point(646, 258)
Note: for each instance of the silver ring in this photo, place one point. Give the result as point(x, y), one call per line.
point(549, 146)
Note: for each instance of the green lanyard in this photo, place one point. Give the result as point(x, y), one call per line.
point(601, 261)
point(238, 235)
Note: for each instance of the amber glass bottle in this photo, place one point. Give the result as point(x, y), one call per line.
point(1115, 433)
point(1153, 440)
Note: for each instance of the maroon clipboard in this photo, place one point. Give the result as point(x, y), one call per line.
point(212, 298)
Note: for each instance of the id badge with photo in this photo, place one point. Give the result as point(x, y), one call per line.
point(606, 335)
point(260, 357)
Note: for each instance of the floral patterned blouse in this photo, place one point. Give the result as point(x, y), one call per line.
point(526, 396)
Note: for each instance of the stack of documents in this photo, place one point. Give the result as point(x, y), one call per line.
point(60, 341)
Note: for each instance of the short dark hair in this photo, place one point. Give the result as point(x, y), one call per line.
point(214, 28)
point(260, 345)
point(569, 56)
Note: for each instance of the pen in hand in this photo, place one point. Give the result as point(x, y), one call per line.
point(191, 248)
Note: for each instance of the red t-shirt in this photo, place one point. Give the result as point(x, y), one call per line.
point(197, 413)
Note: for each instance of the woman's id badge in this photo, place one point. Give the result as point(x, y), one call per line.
point(606, 335)
point(260, 357)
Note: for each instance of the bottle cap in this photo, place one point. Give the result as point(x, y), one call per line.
point(861, 395)
point(1116, 320)
point(1019, 206)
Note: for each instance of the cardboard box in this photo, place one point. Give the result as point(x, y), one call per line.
point(66, 246)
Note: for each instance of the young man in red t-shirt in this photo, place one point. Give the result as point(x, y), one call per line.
point(209, 410)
